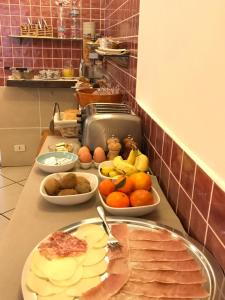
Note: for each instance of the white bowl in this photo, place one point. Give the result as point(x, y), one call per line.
point(70, 199)
point(132, 211)
point(48, 161)
point(107, 163)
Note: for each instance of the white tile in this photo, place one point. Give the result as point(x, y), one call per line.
point(5, 181)
point(9, 213)
point(9, 196)
point(3, 224)
point(22, 182)
point(16, 173)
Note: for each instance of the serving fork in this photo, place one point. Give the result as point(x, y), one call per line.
point(112, 243)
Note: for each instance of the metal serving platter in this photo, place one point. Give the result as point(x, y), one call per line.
point(210, 267)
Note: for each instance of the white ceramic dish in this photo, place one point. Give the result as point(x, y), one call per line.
point(70, 199)
point(53, 162)
point(132, 211)
point(85, 166)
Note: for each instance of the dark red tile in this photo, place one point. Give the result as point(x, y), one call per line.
point(184, 208)
point(167, 148)
point(153, 133)
point(173, 188)
point(187, 174)
point(164, 178)
point(176, 159)
point(197, 226)
point(202, 191)
point(217, 212)
point(216, 248)
point(159, 140)
point(156, 165)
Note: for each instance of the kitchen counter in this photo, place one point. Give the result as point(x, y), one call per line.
point(35, 218)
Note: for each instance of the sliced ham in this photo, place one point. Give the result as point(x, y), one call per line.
point(174, 245)
point(120, 231)
point(187, 265)
point(150, 235)
point(124, 296)
point(195, 277)
point(152, 255)
point(161, 290)
point(107, 288)
point(118, 266)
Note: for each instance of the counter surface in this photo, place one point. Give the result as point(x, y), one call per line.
point(34, 218)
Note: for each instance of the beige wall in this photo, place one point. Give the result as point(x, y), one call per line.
point(24, 112)
point(181, 76)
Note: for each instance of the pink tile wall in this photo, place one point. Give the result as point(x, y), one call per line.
point(41, 54)
point(196, 199)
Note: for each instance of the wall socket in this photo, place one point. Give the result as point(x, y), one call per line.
point(19, 148)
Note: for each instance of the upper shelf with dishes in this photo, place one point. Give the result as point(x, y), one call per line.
point(44, 37)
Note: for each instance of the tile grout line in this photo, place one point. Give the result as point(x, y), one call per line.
point(192, 195)
point(209, 209)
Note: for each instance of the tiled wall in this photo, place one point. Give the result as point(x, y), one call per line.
point(197, 200)
point(41, 54)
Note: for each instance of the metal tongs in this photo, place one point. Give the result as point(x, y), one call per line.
point(51, 124)
point(112, 243)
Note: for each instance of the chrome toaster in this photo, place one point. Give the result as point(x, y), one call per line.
point(101, 120)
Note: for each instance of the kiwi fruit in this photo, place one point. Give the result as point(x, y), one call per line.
point(68, 181)
point(52, 186)
point(66, 192)
point(81, 179)
point(83, 188)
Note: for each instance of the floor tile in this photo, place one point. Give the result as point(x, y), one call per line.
point(3, 224)
point(5, 181)
point(16, 173)
point(9, 196)
point(22, 182)
point(9, 214)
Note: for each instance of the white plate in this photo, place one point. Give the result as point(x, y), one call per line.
point(207, 262)
point(132, 211)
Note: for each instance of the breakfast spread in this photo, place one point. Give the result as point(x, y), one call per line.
point(151, 264)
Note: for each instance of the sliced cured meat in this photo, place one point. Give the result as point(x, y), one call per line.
point(161, 290)
point(124, 296)
point(174, 245)
point(187, 265)
point(107, 288)
point(195, 277)
point(118, 266)
point(62, 244)
point(120, 231)
point(154, 255)
point(150, 235)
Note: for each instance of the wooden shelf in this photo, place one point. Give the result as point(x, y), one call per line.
point(33, 83)
point(21, 37)
point(120, 59)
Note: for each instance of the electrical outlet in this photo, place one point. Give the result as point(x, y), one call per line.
point(19, 148)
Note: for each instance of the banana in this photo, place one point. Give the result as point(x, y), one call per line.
point(123, 167)
point(132, 156)
point(106, 170)
point(142, 163)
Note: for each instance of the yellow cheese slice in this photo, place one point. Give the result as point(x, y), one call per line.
point(91, 233)
point(71, 281)
point(102, 242)
point(55, 269)
point(93, 256)
point(41, 286)
point(82, 286)
point(95, 270)
point(61, 296)
point(36, 271)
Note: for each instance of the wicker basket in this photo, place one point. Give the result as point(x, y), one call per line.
point(69, 132)
point(34, 30)
point(67, 128)
point(85, 96)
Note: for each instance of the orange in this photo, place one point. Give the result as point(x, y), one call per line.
point(106, 187)
point(124, 184)
point(141, 197)
point(117, 199)
point(141, 181)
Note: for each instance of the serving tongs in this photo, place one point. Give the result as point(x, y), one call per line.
point(51, 124)
point(112, 243)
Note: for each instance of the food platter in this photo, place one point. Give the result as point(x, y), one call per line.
point(208, 265)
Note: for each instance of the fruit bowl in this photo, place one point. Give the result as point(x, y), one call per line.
point(132, 211)
point(107, 164)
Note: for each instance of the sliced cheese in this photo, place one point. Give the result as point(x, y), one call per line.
point(95, 270)
point(93, 256)
point(91, 233)
point(71, 281)
point(41, 286)
point(82, 286)
point(61, 296)
point(55, 269)
point(102, 242)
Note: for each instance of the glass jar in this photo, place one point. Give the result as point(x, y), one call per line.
point(68, 71)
